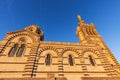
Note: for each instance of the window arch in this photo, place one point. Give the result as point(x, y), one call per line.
point(13, 50)
point(22, 40)
point(70, 59)
point(88, 32)
point(91, 60)
point(20, 51)
point(48, 59)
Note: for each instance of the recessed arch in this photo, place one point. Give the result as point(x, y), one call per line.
point(12, 36)
point(71, 49)
point(71, 57)
point(9, 38)
point(90, 56)
point(51, 50)
point(86, 52)
point(90, 50)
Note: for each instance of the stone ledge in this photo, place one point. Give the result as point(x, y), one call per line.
point(54, 78)
point(100, 78)
point(22, 78)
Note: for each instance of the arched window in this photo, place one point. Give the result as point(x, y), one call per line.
point(48, 59)
point(87, 30)
point(70, 59)
point(13, 50)
point(20, 51)
point(91, 60)
point(91, 33)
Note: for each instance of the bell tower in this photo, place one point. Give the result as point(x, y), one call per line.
point(87, 33)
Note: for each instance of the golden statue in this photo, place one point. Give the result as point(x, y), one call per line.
point(79, 18)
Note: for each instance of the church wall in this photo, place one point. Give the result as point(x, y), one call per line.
point(10, 66)
point(45, 69)
point(32, 63)
point(78, 68)
point(76, 61)
point(12, 75)
point(75, 76)
point(97, 60)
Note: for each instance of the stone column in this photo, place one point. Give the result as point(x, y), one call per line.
point(60, 66)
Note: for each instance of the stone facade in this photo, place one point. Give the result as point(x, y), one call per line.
point(24, 55)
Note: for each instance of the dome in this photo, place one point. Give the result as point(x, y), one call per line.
point(35, 29)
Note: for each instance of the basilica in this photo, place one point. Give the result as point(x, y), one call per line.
point(24, 55)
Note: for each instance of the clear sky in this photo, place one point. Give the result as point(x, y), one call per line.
point(58, 18)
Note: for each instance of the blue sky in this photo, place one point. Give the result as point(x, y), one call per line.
point(58, 18)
